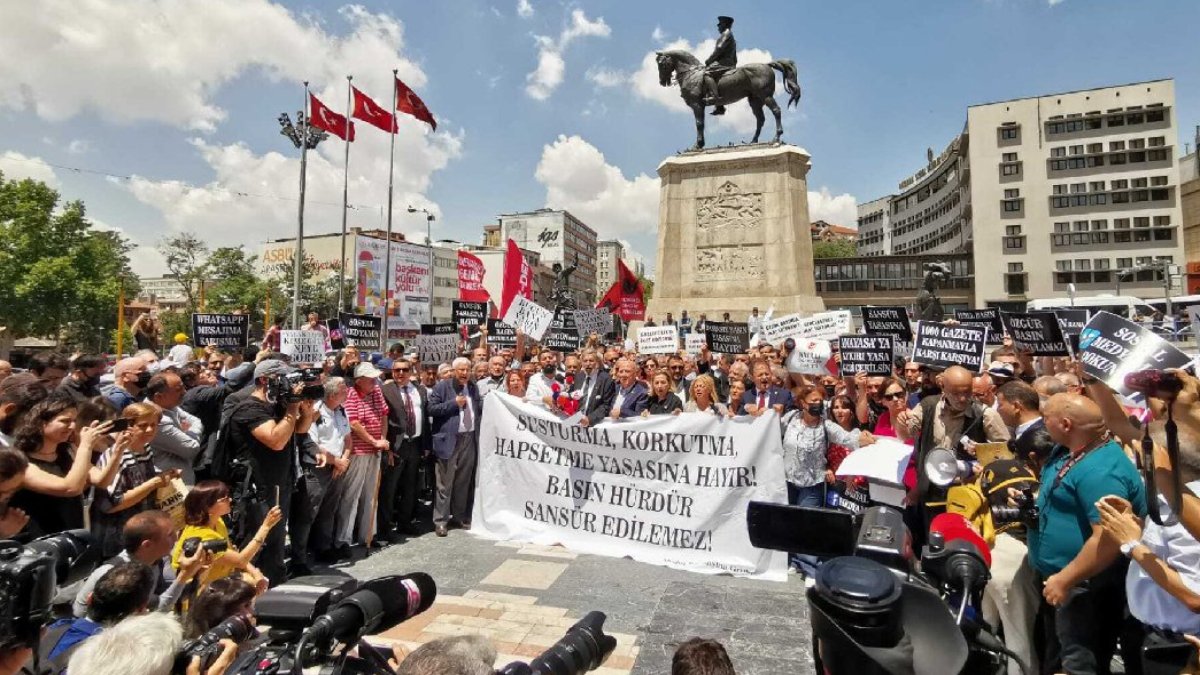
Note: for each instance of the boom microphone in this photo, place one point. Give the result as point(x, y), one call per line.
point(956, 555)
point(377, 605)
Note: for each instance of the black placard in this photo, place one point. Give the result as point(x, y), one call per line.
point(360, 330)
point(562, 335)
point(870, 354)
point(438, 328)
point(466, 313)
point(940, 346)
point(1072, 320)
point(230, 331)
point(501, 334)
point(989, 317)
point(1111, 347)
point(1036, 332)
point(888, 321)
point(727, 337)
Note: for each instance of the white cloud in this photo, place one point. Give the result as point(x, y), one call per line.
point(838, 210)
point(607, 77)
point(16, 166)
point(738, 116)
point(79, 146)
point(524, 9)
point(136, 60)
point(658, 35)
point(545, 78)
point(578, 178)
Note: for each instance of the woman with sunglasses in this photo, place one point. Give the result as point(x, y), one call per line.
point(895, 401)
point(204, 511)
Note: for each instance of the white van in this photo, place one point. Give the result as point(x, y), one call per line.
point(1127, 306)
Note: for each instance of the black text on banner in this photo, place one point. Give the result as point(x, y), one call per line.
point(303, 347)
point(870, 354)
point(222, 330)
point(940, 346)
point(727, 337)
point(1039, 333)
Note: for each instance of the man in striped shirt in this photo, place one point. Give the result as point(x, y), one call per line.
point(368, 412)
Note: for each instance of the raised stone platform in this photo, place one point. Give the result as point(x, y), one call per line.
point(734, 233)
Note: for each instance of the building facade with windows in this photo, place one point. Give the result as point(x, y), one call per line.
point(557, 237)
point(608, 252)
point(851, 283)
point(1072, 188)
point(874, 227)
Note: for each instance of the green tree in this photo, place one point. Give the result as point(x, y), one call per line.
point(186, 257)
point(235, 283)
point(316, 295)
point(839, 248)
point(58, 274)
point(647, 286)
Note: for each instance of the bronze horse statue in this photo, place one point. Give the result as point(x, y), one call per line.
point(754, 82)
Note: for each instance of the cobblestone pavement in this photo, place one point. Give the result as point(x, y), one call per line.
point(524, 597)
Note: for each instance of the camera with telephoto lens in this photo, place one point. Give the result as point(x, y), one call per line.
point(29, 576)
point(1025, 512)
point(283, 388)
point(193, 544)
point(239, 628)
point(583, 648)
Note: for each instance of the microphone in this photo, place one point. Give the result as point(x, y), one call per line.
point(377, 605)
point(956, 554)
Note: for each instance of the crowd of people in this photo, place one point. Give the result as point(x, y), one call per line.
point(206, 477)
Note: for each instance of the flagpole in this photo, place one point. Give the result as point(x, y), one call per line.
point(387, 273)
point(299, 258)
point(345, 202)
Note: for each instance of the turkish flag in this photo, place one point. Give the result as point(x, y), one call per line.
point(371, 112)
point(626, 298)
point(408, 102)
point(518, 277)
point(470, 278)
point(321, 117)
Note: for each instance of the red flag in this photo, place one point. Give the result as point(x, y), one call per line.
point(470, 278)
point(626, 298)
point(322, 117)
point(371, 112)
point(408, 102)
point(518, 277)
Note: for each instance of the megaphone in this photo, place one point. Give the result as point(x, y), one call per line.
point(942, 468)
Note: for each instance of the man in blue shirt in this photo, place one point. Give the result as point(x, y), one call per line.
point(1081, 570)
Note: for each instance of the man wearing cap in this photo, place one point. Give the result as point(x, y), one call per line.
point(368, 414)
point(722, 60)
point(181, 353)
point(266, 430)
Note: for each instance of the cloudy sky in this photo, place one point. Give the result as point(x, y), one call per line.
point(160, 115)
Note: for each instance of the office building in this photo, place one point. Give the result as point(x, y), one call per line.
point(557, 237)
point(1189, 190)
point(874, 227)
point(608, 252)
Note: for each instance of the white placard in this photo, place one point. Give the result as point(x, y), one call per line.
point(694, 342)
point(885, 459)
point(606, 490)
point(825, 325)
point(437, 349)
point(303, 347)
point(658, 340)
point(529, 317)
point(588, 321)
point(779, 329)
point(810, 357)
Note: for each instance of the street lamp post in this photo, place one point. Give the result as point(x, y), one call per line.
point(429, 243)
point(305, 137)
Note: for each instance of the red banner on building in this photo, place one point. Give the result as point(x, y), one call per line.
point(626, 298)
point(518, 277)
point(470, 278)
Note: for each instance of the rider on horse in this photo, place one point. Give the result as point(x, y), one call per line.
point(723, 60)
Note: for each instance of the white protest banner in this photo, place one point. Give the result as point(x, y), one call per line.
point(777, 330)
point(588, 321)
point(657, 340)
point(825, 325)
point(437, 349)
point(302, 346)
point(667, 490)
point(694, 342)
point(528, 316)
point(1111, 347)
point(940, 346)
point(810, 357)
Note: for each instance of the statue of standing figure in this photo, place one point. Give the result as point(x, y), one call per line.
point(929, 305)
point(562, 296)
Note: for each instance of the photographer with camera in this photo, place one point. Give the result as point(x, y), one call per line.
point(12, 473)
point(204, 510)
point(1078, 569)
point(218, 601)
point(264, 427)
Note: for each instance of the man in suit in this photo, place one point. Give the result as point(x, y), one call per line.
point(597, 390)
point(455, 406)
point(765, 394)
point(409, 439)
point(631, 396)
point(1018, 405)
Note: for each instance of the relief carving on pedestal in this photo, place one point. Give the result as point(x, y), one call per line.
point(729, 209)
point(724, 263)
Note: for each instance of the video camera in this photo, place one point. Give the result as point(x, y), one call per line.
point(282, 388)
point(29, 576)
point(875, 609)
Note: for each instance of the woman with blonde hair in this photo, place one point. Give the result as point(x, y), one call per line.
point(703, 397)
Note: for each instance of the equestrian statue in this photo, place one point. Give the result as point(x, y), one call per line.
point(719, 81)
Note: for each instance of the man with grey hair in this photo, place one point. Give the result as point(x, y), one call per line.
point(455, 406)
point(140, 645)
point(1071, 382)
point(1047, 386)
point(456, 655)
point(331, 433)
point(130, 377)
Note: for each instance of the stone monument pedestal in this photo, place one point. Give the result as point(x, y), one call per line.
point(733, 234)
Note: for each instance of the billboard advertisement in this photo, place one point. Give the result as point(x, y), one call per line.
point(411, 277)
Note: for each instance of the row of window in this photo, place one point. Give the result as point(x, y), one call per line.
point(1116, 159)
point(1118, 223)
point(1126, 237)
point(1113, 146)
point(1097, 264)
point(1097, 121)
point(1131, 196)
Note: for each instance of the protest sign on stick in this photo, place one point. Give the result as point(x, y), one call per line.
point(694, 342)
point(588, 321)
point(989, 316)
point(303, 347)
point(1111, 347)
point(437, 343)
point(727, 337)
point(657, 340)
point(529, 316)
point(870, 354)
point(466, 313)
point(562, 335)
point(780, 328)
point(360, 329)
point(810, 357)
point(825, 325)
point(501, 334)
point(892, 320)
point(1039, 333)
point(231, 331)
point(940, 346)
